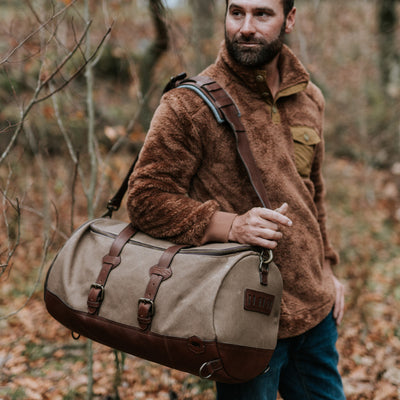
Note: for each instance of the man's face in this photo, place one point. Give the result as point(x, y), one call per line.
point(254, 30)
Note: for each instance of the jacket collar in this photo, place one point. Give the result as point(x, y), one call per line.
point(294, 77)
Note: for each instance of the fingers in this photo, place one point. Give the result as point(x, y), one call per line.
point(338, 310)
point(283, 208)
point(266, 238)
point(277, 215)
point(260, 227)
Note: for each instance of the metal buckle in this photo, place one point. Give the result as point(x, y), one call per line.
point(152, 309)
point(100, 296)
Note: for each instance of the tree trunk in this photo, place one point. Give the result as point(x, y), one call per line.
point(203, 13)
point(389, 64)
point(389, 58)
point(150, 58)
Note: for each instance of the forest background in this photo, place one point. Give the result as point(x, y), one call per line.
point(79, 81)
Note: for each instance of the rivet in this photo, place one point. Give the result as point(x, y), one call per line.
point(259, 78)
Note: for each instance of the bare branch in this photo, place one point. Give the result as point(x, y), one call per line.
point(35, 285)
point(73, 185)
point(33, 211)
point(23, 115)
point(35, 98)
point(37, 30)
point(78, 72)
point(7, 128)
point(68, 56)
point(11, 247)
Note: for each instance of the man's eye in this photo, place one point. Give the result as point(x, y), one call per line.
point(236, 13)
point(262, 14)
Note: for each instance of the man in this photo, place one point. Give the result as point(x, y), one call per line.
point(190, 187)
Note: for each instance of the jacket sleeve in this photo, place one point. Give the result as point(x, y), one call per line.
point(319, 200)
point(158, 201)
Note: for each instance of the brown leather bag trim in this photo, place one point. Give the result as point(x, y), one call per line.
point(158, 273)
point(110, 261)
point(150, 346)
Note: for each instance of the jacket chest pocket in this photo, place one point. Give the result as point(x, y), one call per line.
point(305, 139)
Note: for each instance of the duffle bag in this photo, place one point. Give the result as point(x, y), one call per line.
point(212, 310)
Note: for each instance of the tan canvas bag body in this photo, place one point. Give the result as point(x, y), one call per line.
point(212, 310)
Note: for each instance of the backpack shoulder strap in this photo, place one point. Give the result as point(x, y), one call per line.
point(224, 110)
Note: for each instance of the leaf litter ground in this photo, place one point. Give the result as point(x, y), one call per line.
point(40, 360)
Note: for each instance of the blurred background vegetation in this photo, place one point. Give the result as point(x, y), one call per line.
point(350, 48)
point(79, 81)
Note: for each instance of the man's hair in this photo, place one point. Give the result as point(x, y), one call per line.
point(287, 6)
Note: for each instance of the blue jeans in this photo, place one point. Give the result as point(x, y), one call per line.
point(302, 368)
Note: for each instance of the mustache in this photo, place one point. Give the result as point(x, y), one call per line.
point(240, 39)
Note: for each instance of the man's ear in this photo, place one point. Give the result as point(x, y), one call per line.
point(290, 20)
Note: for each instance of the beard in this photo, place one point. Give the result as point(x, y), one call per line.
point(256, 56)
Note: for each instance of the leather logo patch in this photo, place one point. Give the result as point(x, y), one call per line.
point(258, 301)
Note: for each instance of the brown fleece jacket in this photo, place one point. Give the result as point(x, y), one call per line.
point(189, 182)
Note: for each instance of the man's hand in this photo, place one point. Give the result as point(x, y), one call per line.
point(260, 227)
point(338, 309)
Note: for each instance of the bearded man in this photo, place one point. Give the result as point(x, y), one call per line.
point(190, 187)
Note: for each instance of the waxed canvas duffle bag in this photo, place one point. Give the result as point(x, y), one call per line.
point(212, 310)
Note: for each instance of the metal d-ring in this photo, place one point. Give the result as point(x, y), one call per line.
point(214, 365)
point(264, 266)
point(264, 262)
point(201, 371)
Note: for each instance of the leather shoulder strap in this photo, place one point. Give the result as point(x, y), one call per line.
point(225, 111)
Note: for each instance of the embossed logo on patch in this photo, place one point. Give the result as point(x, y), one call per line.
point(258, 301)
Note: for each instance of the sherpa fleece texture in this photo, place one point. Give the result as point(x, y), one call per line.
point(189, 176)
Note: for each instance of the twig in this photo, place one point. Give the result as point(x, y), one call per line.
point(7, 128)
point(73, 185)
point(11, 250)
point(36, 284)
point(74, 75)
point(40, 215)
point(68, 56)
point(73, 154)
point(36, 100)
point(52, 18)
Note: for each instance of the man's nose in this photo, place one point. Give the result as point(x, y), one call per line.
point(248, 28)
